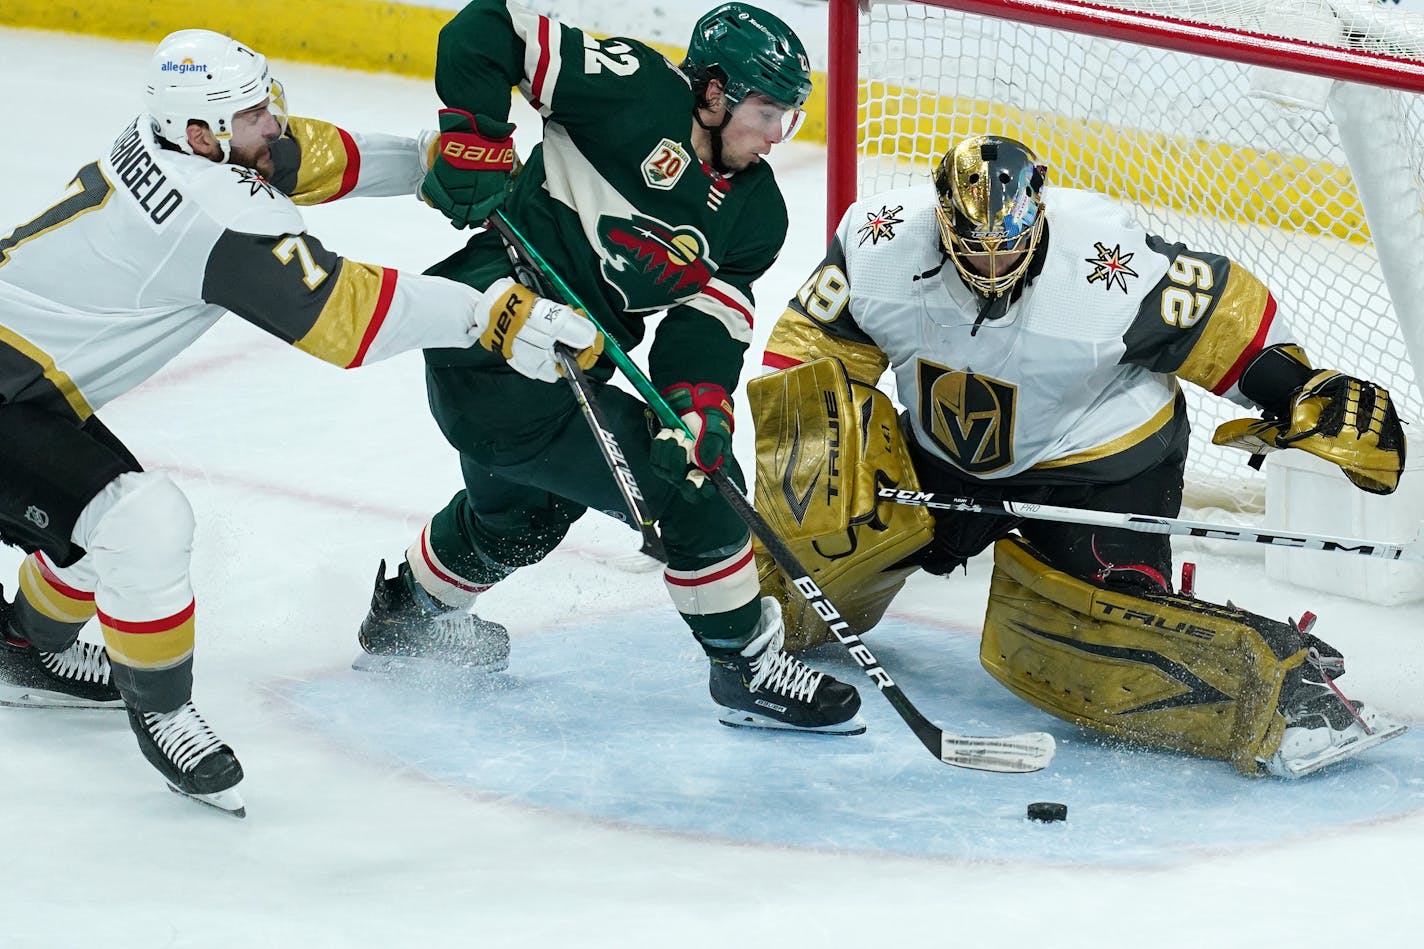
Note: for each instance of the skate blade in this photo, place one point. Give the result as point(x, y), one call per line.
point(636, 562)
point(854, 725)
point(368, 662)
point(228, 801)
point(1383, 732)
point(16, 697)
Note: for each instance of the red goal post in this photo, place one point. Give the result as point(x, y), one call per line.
point(1286, 134)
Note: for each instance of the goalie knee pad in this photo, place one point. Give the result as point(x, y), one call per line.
point(824, 445)
point(1162, 670)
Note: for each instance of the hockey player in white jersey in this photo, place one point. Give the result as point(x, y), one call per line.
point(192, 213)
point(1037, 338)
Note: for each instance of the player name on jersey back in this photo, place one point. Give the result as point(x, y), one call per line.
point(141, 175)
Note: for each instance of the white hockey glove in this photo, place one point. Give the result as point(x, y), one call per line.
point(525, 329)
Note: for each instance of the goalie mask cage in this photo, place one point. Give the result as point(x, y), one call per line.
point(1287, 135)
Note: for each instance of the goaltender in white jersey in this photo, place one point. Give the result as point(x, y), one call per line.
point(1077, 364)
point(1039, 338)
point(192, 214)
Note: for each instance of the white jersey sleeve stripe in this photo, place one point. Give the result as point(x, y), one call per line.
point(728, 306)
point(542, 59)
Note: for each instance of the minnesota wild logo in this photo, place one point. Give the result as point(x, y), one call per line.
point(652, 264)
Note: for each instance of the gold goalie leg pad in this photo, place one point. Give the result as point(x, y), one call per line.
point(824, 445)
point(1165, 671)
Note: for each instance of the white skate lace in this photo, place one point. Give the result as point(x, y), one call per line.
point(782, 674)
point(461, 628)
point(455, 626)
point(1318, 661)
point(81, 662)
point(182, 735)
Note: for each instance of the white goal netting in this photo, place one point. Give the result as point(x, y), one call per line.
point(1224, 157)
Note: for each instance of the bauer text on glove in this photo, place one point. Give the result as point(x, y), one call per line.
point(685, 459)
point(470, 170)
point(526, 328)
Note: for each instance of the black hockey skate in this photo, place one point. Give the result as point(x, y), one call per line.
point(1322, 726)
point(763, 687)
point(408, 627)
point(78, 677)
point(193, 760)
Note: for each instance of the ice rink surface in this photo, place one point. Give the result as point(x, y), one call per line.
point(588, 797)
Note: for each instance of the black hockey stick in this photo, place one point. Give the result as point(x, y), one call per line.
point(1031, 751)
point(607, 444)
point(613, 455)
point(1160, 524)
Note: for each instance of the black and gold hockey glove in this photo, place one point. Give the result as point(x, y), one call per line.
point(1348, 422)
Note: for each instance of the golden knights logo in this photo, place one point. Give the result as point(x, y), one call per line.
point(1110, 266)
point(880, 224)
point(969, 416)
point(652, 264)
point(254, 181)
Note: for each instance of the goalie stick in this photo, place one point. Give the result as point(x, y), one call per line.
point(1031, 751)
point(1160, 524)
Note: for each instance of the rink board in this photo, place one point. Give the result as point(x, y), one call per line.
point(608, 719)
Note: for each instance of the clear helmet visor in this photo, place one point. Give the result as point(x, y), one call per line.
point(263, 122)
point(777, 121)
point(277, 104)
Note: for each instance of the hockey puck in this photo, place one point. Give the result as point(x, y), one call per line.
point(1046, 812)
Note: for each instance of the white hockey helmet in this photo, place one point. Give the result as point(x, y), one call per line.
point(206, 76)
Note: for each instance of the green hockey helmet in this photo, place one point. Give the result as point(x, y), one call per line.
point(750, 51)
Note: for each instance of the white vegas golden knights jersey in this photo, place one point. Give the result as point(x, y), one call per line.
point(148, 247)
point(1076, 380)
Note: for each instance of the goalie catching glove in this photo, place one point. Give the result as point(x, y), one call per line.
point(526, 329)
point(685, 459)
point(471, 167)
point(1346, 421)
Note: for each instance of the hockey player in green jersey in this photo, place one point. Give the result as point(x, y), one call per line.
point(192, 214)
point(648, 195)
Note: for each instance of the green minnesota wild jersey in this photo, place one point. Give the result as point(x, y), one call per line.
point(615, 198)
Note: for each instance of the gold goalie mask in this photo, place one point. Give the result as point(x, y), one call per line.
point(990, 209)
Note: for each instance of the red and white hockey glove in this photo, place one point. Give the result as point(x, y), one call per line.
point(685, 461)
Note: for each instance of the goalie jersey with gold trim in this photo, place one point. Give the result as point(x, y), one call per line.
point(1075, 380)
point(150, 246)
